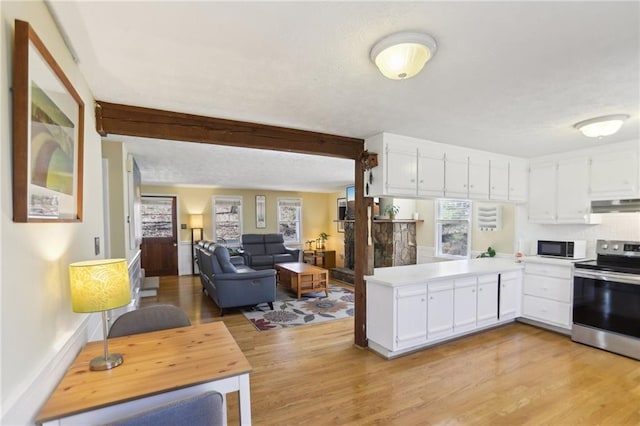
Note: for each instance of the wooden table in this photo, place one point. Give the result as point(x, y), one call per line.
point(303, 278)
point(159, 367)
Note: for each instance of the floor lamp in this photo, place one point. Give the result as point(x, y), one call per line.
point(196, 221)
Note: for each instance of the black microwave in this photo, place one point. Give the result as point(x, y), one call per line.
point(576, 249)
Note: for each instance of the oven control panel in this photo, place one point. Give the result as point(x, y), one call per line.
point(618, 248)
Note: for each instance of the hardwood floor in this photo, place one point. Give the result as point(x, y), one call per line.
point(513, 375)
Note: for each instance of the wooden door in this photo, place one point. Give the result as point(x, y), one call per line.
point(159, 236)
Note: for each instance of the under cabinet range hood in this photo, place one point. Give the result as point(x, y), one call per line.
point(616, 206)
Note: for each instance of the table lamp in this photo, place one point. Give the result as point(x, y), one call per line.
point(97, 286)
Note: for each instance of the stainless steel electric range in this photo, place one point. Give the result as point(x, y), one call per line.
point(606, 299)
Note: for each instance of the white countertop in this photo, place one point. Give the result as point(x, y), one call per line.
point(409, 274)
point(551, 260)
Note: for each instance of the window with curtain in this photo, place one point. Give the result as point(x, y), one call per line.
point(227, 220)
point(290, 219)
point(453, 228)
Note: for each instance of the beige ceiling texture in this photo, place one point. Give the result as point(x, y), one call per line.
point(508, 77)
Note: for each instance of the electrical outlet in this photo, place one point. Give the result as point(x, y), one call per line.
point(96, 245)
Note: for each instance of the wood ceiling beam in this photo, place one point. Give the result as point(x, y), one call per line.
point(129, 120)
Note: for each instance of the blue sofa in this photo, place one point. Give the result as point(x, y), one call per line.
point(263, 251)
point(230, 283)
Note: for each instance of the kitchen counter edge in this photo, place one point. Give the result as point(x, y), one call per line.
point(394, 276)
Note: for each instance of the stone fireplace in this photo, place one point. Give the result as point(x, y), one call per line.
point(394, 244)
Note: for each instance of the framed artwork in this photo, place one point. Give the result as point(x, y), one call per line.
point(48, 129)
point(261, 208)
point(342, 212)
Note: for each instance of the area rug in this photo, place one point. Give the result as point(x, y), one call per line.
point(311, 308)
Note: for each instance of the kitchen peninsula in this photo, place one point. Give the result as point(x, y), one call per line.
point(419, 305)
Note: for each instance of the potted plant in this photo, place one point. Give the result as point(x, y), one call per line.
point(489, 253)
point(323, 237)
point(392, 210)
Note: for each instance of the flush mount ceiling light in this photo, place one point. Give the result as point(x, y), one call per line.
point(601, 126)
point(402, 55)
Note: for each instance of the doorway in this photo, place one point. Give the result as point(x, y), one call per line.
point(159, 250)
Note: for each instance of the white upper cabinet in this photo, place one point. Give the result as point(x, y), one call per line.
point(430, 172)
point(499, 179)
point(417, 168)
point(542, 193)
point(518, 172)
point(479, 172)
point(573, 203)
point(614, 172)
point(559, 192)
point(401, 176)
point(456, 176)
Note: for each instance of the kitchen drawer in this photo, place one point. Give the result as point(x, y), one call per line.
point(548, 311)
point(465, 282)
point(558, 271)
point(440, 285)
point(547, 287)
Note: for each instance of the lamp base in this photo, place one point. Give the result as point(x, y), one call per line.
point(101, 363)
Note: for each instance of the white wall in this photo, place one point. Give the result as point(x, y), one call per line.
point(614, 226)
point(40, 334)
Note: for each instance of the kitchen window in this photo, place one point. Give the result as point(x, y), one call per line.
point(453, 228)
point(227, 220)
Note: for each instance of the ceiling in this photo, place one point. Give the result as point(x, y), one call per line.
point(508, 77)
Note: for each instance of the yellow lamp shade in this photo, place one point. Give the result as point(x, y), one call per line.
point(196, 221)
point(99, 285)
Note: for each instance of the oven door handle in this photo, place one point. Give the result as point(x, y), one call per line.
point(608, 276)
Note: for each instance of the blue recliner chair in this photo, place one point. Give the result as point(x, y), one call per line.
point(233, 285)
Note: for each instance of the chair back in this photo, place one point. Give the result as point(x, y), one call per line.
point(150, 318)
point(254, 244)
point(224, 259)
point(201, 410)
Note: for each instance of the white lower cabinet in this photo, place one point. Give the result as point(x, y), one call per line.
point(440, 309)
point(487, 299)
point(411, 315)
point(407, 317)
point(465, 304)
point(547, 292)
point(510, 291)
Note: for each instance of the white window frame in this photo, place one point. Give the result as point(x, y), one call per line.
point(437, 233)
point(233, 198)
point(298, 201)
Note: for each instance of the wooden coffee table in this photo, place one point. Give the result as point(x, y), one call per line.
point(303, 278)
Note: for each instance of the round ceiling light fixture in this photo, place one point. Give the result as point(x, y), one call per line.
point(601, 126)
point(402, 55)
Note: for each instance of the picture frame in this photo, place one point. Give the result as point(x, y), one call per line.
point(48, 131)
point(342, 213)
point(261, 209)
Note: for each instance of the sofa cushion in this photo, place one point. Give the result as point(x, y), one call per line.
point(273, 238)
point(263, 259)
point(275, 248)
point(224, 259)
point(283, 258)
